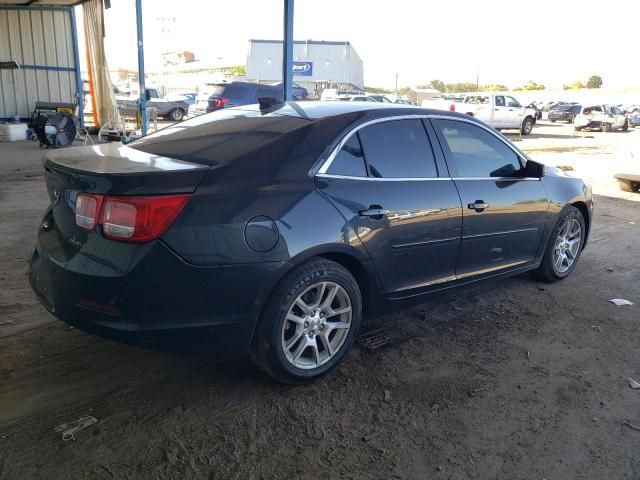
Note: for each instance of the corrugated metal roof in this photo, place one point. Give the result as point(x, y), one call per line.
point(40, 3)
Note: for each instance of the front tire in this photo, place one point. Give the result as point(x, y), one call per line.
point(625, 127)
point(564, 246)
point(176, 115)
point(527, 126)
point(308, 323)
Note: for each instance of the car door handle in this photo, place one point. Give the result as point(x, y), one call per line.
point(478, 206)
point(375, 213)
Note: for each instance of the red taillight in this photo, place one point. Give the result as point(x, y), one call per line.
point(133, 219)
point(452, 107)
point(220, 102)
point(88, 210)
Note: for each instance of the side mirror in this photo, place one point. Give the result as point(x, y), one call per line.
point(534, 169)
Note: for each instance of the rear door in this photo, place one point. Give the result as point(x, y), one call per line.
point(237, 95)
point(500, 112)
point(396, 195)
point(504, 211)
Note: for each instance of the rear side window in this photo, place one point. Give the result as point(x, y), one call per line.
point(269, 92)
point(235, 91)
point(350, 160)
point(398, 149)
point(474, 152)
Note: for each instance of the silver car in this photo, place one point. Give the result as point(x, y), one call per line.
point(601, 117)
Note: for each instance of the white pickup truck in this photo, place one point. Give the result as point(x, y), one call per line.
point(496, 109)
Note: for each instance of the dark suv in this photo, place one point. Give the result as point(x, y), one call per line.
point(234, 94)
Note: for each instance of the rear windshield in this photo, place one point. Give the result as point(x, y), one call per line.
point(215, 89)
point(235, 91)
point(217, 137)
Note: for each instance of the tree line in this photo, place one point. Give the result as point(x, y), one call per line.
point(594, 81)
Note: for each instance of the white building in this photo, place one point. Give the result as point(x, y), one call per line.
point(317, 64)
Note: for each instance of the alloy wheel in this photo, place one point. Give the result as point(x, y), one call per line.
point(317, 325)
point(567, 245)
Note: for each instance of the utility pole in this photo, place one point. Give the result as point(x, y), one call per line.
point(477, 82)
point(287, 51)
point(396, 83)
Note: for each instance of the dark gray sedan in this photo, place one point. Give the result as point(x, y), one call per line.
point(274, 231)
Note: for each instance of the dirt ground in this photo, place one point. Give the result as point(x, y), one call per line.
point(510, 380)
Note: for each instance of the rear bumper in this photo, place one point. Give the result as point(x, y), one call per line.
point(161, 302)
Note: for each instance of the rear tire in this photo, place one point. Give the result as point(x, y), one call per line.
point(577, 129)
point(308, 323)
point(553, 121)
point(559, 260)
point(625, 127)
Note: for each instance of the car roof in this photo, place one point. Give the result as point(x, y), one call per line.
point(314, 110)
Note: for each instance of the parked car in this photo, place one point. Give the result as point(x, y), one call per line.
point(380, 98)
point(234, 94)
point(634, 119)
point(298, 91)
point(628, 182)
point(537, 112)
point(170, 109)
point(332, 94)
point(601, 117)
point(360, 98)
point(189, 97)
point(253, 230)
point(403, 101)
point(564, 113)
point(499, 110)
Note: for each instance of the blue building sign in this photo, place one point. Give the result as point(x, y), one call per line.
point(303, 69)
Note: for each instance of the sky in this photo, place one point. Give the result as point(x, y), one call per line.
point(549, 41)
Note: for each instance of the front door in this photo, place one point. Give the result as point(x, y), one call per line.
point(504, 212)
point(515, 112)
point(396, 196)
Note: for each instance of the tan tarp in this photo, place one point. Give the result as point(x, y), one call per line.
point(103, 96)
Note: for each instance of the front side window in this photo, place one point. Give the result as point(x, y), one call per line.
point(398, 149)
point(349, 161)
point(474, 152)
point(512, 102)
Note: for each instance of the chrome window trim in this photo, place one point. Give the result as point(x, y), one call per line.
point(327, 163)
point(426, 179)
point(377, 179)
point(322, 171)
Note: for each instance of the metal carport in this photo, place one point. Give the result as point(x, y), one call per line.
point(41, 38)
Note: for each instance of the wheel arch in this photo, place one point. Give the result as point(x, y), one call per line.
point(352, 258)
point(584, 210)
